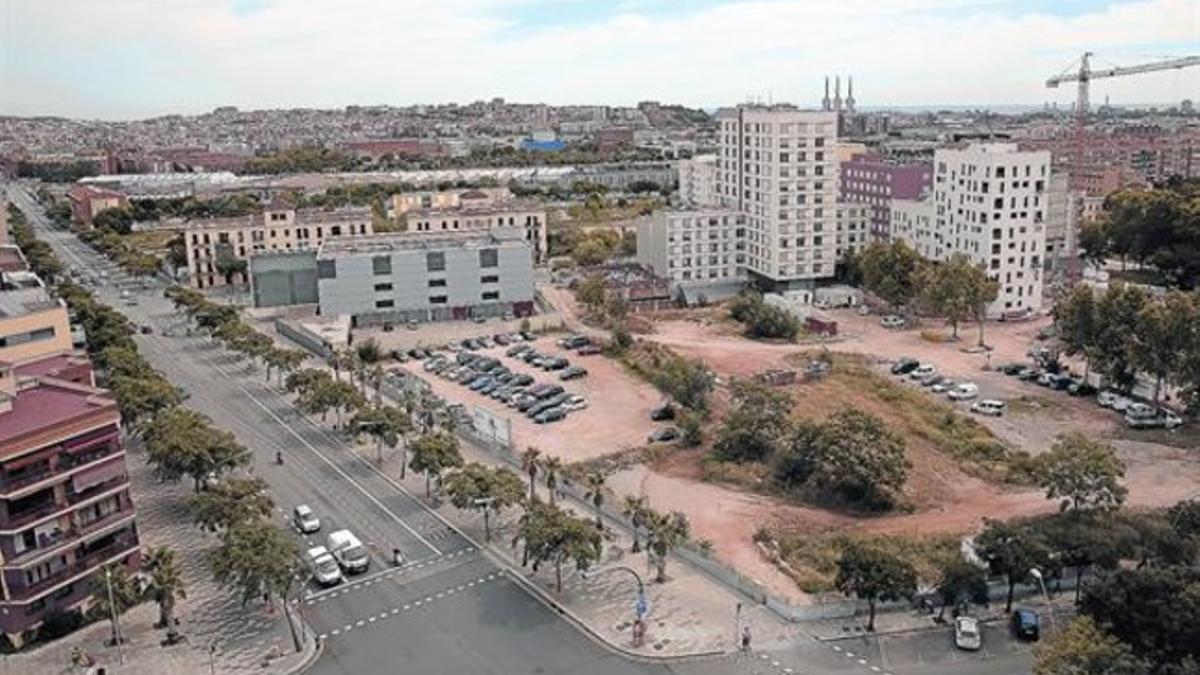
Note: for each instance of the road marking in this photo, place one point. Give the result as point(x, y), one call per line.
point(837, 648)
point(407, 606)
point(335, 467)
point(360, 622)
point(876, 669)
point(862, 662)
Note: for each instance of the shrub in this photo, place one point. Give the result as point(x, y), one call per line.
point(58, 623)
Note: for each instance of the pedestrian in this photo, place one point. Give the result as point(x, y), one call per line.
point(746, 638)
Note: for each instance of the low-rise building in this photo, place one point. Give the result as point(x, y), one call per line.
point(32, 322)
point(693, 246)
point(88, 201)
point(417, 276)
point(478, 215)
point(218, 249)
point(65, 506)
point(404, 202)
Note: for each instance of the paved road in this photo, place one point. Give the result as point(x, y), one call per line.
point(450, 609)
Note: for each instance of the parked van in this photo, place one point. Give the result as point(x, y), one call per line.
point(988, 407)
point(348, 551)
point(964, 391)
point(324, 567)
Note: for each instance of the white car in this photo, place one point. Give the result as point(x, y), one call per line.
point(922, 371)
point(891, 321)
point(988, 406)
point(1107, 398)
point(305, 519)
point(575, 402)
point(324, 568)
point(943, 387)
point(964, 391)
point(966, 633)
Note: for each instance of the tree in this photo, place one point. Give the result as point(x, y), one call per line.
point(1009, 551)
point(958, 289)
point(555, 537)
point(1119, 307)
point(1156, 611)
point(231, 502)
point(304, 380)
point(1078, 324)
point(1082, 648)
point(113, 581)
point(873, 574)
point(180, 442)
point(763, 320)
point(1160, 335)
point(552, 469)
point(961, 582)
point(688, 381)
point(859, 459)
point(664, 533)
point(387, 425)
point(1085, 473)
point(165, 586)
point(595, 482)
point(591, 293)
point(756, 423)
point(1083, 540)
point(141, 398)
point(636, 510)
point(434, 453)
point(892, 271)
point(254, 557)
point(531, 462)
point(489, 490)
point(286, 361)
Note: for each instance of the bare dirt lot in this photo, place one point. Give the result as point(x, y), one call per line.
point(617, 417)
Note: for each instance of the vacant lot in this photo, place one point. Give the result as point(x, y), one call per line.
point(617, 417)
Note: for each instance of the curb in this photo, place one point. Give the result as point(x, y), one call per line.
point(949, 625)
point(308, 661)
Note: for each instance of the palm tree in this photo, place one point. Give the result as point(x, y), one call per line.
point(634, 509)
point(165, 585)
point(531, 461)
point(595, 482)
point(665, 534)
point(552, 467)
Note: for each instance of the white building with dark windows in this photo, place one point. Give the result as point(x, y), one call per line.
point(776, 164)
point(426, 277)
point(693, 246)
point(698, 181)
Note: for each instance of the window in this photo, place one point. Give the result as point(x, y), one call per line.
point(491, 295)
point(385, 304)
point(437, 300)
point(326, 269)
point(381, 265)
point(489, 279)
point(437, 283)
point(383, 287)
point(435, 261)
point(489, 257)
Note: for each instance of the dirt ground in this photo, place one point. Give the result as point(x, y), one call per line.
point(617, 417)
point(947, 499)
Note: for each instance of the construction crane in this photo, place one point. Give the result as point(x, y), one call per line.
point(1086, 75)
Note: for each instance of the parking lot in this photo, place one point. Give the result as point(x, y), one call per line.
point(616, 416)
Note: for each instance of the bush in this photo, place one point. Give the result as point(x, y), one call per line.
point(58, 623)
point(763, 320)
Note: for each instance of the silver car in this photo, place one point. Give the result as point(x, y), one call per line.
point(305, 519)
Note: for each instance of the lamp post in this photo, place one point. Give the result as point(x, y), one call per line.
point(1037, 574)
point(641, 608)
point(113, 616)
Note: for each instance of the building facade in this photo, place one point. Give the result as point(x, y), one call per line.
point(426, 277)
point(32, 322)
point(88, 201)
point(698, 181)
point(776, 165)
point(693, 246)
point(853, 228)
point(527, 216)
point(216, 245)
point(65, 506)
point(872, 180)
point(912, 223)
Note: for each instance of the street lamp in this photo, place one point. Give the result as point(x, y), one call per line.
point(112, 613)
point(641, 607)
point(1037, 574)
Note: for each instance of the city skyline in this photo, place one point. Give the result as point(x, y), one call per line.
point(192, 56)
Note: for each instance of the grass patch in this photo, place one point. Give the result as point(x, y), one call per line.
point(922, 416)
point(752, 475)
point(810, 558)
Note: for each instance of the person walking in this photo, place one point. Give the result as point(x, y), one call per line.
point(746, 638)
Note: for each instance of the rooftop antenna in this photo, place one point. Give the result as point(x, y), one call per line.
point(825, 102)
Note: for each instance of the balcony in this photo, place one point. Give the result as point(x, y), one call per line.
point(49, 543)
point(12, 483)
point(122, 543)
point(17, 519)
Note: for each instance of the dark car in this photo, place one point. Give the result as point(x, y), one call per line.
point(530, 355)
point(529, 337)
point(547, 391)
point(588, 350)
point(572, 373)
point(502, 340)
point(466, 377)
point(1079, 388)
point(517, 350)
point(1026, 625)
point(464, 358)
point(663, 435)
point(525, 402)
point(550, 415)
point(905, 366)
point(1061, 382)
point(556, 364)
point(666, 412)
point(480, 382)
point(522, 380)
point(546, 404)
point(1012, 368)
point(1027, 374)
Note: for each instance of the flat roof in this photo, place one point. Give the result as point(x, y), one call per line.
point(415, 241)
point(46, 405)
point(491, 209)
point(23, 301)
point(303, 217)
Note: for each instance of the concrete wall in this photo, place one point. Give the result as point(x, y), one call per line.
point(13, 328)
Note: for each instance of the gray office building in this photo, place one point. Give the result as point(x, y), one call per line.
point(426, 277)
point(278, 279)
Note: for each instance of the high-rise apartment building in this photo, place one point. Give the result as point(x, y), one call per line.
point(776, 165)
point(698, 181)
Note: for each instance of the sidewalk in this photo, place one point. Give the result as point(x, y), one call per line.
point(211, 617)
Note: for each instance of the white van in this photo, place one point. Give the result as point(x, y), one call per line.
point(964, 391)
point(324, 567)
point(988, 407)
point(348, 551)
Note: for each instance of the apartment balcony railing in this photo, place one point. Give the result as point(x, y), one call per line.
point(125, 542)
point(18, 518)
point(52, 541)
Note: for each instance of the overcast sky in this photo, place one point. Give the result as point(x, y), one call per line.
point(138, 58)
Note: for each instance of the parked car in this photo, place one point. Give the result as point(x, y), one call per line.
point(988, 406)
point(1153, 419)
point(1045, 379)
point(1061, 382)
point(530, 356)
point(529, 337)
point(1028, 374)
point(663, 435)
point(1122, 403)
point(1080, 388)
point(966, 633)
point(1025, 624)
point(943, 386)
point(661, 413)
point(522, 379)
point(348, 551)
point(588, 350)
point(573, 373)
point(964, 391)
point(517, 349)
point(502, 340)
point(575, 402)
point(1107, 398)
point(305, 519)
point(930, 380)
point(546, 404)
point(891, 321)
point(555, 363)
point(480, 382)
point(905, 366)
point(550, 415)
point(922, 371)
point(524, 401)
point(1012, 368)
point(324, 568)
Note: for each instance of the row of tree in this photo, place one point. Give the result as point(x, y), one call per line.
point(37, 253)
point(956, 289)
point(133, 260)
point(1125, 331)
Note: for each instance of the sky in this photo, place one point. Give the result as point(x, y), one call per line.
point(121, 59)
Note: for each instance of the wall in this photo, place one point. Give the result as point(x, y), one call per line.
point(55, 318)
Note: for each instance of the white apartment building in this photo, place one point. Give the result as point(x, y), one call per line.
point(212, 240)
point(693, 246)
point(777, 165)
point(853, 227)
point(698, 181)
point(990, 203)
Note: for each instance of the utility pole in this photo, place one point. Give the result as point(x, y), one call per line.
point(113, 616)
